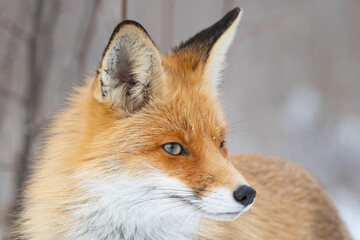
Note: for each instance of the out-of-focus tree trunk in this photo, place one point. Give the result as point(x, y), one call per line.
point(39, 55)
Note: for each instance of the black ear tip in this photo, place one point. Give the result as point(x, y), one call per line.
point(230, 17)
point(237, 9)
point(127, 23)
point(120, 26)
point(131, 22)
point(234, 13)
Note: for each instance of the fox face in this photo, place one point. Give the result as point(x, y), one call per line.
point(150, 140)
point(167, 140)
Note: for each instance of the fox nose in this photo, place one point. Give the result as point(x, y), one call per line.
point(245, 195)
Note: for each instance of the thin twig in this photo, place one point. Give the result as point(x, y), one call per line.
point(12, 45)
point(42, 33)
point(168, 25)
point(43, 65)
point(88, 37)
point(124, 10)
point(31, 93)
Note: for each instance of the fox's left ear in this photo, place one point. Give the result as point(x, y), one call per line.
point(209, 47)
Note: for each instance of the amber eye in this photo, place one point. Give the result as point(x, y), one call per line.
point(173, 148)
point(222, 144)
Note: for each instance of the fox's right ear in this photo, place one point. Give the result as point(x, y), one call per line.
point(206, 50)
point(130, 70)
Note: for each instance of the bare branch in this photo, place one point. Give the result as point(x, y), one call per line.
point(32, 81)
point(88, 37)
point(48, 27)
point(12, 46)
point(168, 25)
point(124, 10)
point(42, 33)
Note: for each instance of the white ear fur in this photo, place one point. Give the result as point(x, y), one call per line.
point(130, 67)
point(215, 63)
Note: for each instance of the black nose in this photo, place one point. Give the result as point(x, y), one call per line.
point(245, 195)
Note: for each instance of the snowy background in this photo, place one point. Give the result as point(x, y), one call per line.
point(291, 89)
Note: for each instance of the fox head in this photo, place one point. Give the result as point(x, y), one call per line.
point(156, 132)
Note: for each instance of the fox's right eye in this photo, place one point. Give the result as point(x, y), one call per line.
point(173, 148)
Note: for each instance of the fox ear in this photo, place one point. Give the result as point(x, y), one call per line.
point(130, 70)
point(210, 46)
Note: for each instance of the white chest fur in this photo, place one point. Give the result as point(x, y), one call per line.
point(119, 207)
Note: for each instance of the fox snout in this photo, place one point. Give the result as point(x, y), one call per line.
point(245, 195)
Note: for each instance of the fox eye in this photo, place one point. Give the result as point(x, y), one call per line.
point(173, 148)
point(222, 144)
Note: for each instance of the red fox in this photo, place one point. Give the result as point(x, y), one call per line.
point(140, 153)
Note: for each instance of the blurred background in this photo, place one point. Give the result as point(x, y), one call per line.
point(291, 89)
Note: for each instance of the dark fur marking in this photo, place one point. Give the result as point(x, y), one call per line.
point(117, 29)
point(205, 40)
point(103, 91)
point(195, 65)
point(203, 183)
